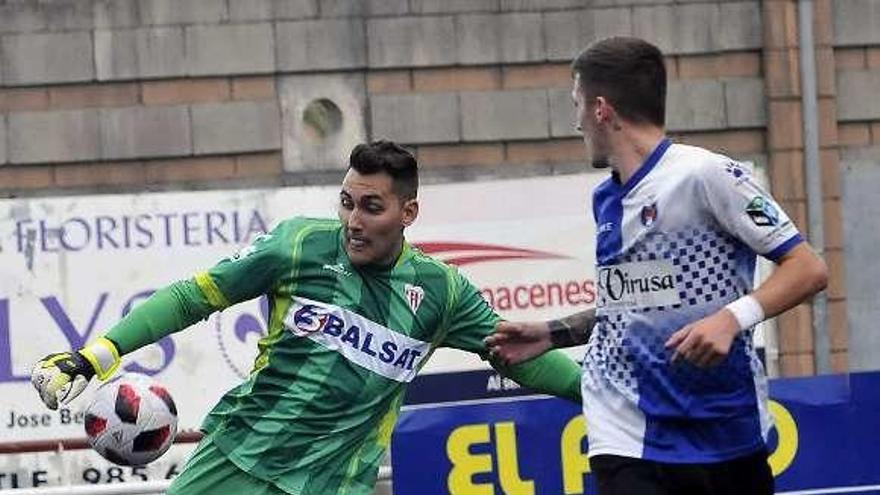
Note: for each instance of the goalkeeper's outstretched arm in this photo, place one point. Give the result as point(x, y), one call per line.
point(60, 377)
point(552, 373)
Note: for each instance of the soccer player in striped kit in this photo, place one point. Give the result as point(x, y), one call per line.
point(355, 313)
point(674, 393)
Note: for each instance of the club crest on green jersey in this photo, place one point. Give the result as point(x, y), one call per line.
point(414, 296)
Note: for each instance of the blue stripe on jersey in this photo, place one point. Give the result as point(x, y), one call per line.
point(608, 210)
point(646, 167)
point(608, 207)
point(784, 248)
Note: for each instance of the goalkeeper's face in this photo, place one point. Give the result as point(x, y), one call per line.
point(373, 217)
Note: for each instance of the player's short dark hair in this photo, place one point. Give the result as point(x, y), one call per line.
point(390, 158)
point(629, 73)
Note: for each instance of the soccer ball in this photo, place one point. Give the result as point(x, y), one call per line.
point(131, 421)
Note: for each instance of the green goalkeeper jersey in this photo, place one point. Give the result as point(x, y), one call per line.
point(316, 414)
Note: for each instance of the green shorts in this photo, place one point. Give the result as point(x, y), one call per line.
point(209, 472)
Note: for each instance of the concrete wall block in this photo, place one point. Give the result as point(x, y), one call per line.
point(657, 25)
point(63, 15)
point(363, 8)
point(145, 132)
point(277, 10)
point(36, 137)
point(696, 27)
point(320, 45)
point(700, 27)
point(627, 3)
point(411, 41)
point(533, 5)
point(493, 38)
point(857, 95)
point(563, 115)
point(115, 14)
point(744, 100)
point(695, 105)
point(418, 118)
point(494, 115)
point(234, 127)
point(740, 26)
point(3, 158)
point(452, 6)
point(478, 39)
point(140, 53)
point(856, 22)
point(305, 149)
point(45, 58)
point(568, 33)
point(522, 38)
point(679, 29)
point(860, 177)
point(183, 12)
point(21, 18)
point(230, 49)
point(388, 7)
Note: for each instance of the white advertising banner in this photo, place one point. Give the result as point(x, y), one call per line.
point(70, 267)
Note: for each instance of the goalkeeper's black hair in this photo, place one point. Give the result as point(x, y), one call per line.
point(630, 73)
point(392, 159)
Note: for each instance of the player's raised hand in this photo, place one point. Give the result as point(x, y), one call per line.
point(705, 342)
point(515, 342)
point(62, 376)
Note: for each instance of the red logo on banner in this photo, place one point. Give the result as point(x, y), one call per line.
point(466, 253)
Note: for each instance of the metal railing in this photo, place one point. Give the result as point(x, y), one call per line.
point(126, 488)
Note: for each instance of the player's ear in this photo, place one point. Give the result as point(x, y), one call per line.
point(410, 212)
point(602, 110)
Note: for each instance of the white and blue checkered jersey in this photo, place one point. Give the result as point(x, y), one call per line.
point(677, 242)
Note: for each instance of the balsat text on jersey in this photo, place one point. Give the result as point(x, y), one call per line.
point(359, 339)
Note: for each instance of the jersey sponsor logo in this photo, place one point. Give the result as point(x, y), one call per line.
point(414, 296)
point(360, 340)
point(338, 268)
point(735, 169)
point(762, 212)
point(637, 285)
point(649, 214)
point(741, 173)
point(605, 227)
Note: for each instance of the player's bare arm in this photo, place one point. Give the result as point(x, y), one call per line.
point(799, 275)
point(573, 329)
point(515, 342)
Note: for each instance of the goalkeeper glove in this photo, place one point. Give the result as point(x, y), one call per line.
point(62, 376)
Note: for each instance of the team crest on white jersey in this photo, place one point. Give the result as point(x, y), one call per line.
point(414, 296)
point(649, 214)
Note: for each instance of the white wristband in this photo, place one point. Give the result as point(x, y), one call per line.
point(747, 311)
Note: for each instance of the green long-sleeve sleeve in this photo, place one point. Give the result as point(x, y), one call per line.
point(168, 310)
point(552, 373)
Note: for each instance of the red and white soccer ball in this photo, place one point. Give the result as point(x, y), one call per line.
point(131, 421)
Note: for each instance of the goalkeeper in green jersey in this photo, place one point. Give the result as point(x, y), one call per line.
point(355, 312)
